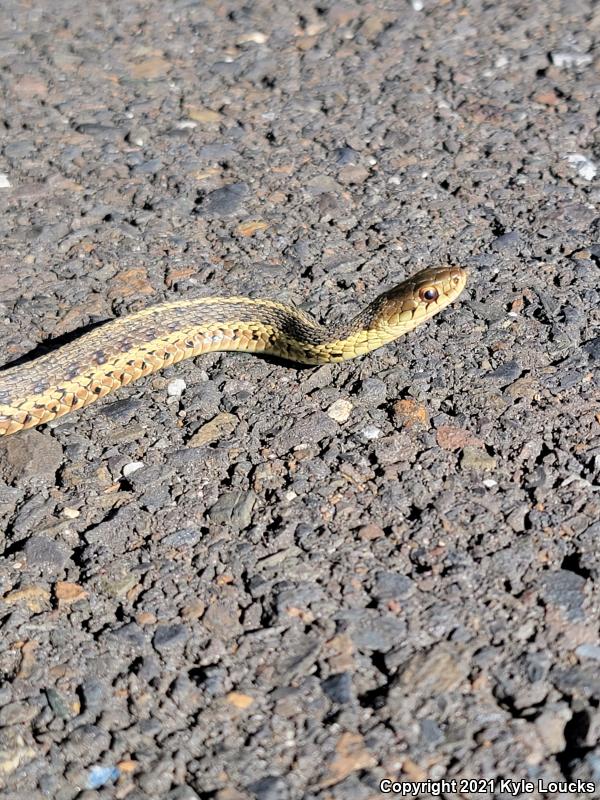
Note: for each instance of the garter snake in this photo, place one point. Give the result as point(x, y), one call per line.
point(128, 348)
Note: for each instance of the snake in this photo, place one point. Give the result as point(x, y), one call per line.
point(130, 347)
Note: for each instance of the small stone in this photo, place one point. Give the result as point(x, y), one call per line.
point(129, 634)
point(150, 68)
point(370, 532)
point(256, 37)
point(184, 537)
point(567, 60)
point(506, 373)
point(474, 458)
point(338, 688)
point(517, 518)
point(346, 155)
point(450, 437)
point(36, 598)
point(93, 695)
point(222, 617)
point(145, 618)
point(350, 755)
point(17, 713)
point(130, 283)
point(565, 589)
point(224, 202)
point(584, 165)
point(168, 636)
point(233, 508)
point(588, 651)
point(176, 387)
point(71, 513)
point(240, 700)
point(99, 776)
point(46, 554)
point(69, 592)
point(211, 679)
point(219, 427)
point(193, 610)
point(372, 392)
point(353, 174)
point(250, 228)
point(138, 136)
point(371, 630)
point(508, 241)
point(547, 98)
point(121, 410)
point(550, 727)
point(182, 793)
point(200, 114)
point(411, 414)
point(31, 455)
point(132, 467)
point(4, 182)
point(392, 585)
point(271, 787)
point(58, 704)
point(371, 432)
point(440, 669)
point(372, 26)
point(340, 410)
point(523, 387)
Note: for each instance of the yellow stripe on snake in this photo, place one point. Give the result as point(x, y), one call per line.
point(128, 348)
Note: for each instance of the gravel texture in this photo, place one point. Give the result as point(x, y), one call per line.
point(244, 581)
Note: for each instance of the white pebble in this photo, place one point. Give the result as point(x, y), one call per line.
point(4, 182)
point(257, 37)
point(176, 388)
point(584, 165)
point(71, 513)
point(564, 60)
point(489, 483)
point(132, 467)
point(371, 432)
point(340, 410)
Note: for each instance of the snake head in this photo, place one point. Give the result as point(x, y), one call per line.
point(402, 308)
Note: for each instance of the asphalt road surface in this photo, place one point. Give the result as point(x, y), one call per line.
point(239, 580)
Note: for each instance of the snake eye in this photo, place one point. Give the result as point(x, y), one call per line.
point(429, 294)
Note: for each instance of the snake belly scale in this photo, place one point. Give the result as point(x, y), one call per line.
point(125, 349)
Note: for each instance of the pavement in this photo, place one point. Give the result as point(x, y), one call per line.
point(239, 580)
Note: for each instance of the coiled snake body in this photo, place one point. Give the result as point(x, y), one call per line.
point(125, 349)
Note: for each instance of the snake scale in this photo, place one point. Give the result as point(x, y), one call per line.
point(128, 348)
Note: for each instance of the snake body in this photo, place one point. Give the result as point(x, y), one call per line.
point(128, 348)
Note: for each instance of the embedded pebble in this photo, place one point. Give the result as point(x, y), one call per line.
point(340, 410)
point(132, 467)
point(371, 432)
point(176, 387)
point(224, 202)
point(583, 165)
point(566, 60)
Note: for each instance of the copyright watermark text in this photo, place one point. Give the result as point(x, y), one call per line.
point(513, 788)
